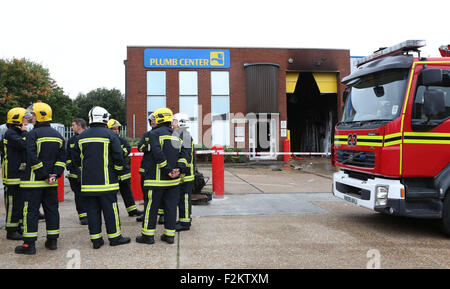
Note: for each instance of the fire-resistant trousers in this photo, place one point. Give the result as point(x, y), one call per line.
point(75, 185)
point(127, 195)
point(154, 197)
point(105, 203)
point(13, 206)
point(185, 203)
point(34, 197)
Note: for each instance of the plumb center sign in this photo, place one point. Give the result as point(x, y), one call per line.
point(186, 58)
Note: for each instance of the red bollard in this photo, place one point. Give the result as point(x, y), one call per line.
point(218, 172)
point(286, 149)
point(61, 188)
point(135, 175)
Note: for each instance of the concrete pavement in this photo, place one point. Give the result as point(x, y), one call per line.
point(271, 217)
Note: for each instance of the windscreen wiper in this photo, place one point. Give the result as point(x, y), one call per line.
point(377, 120)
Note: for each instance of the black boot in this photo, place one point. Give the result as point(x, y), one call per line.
point(97, 243)
point(119, 241)
point(51, 244)
point(145, 239)
point(13, 235)
point(161, 219)
point(180, 226)
point(168, 239)
point(84, 221)
point(140, 218)
point(135, 213)
point(26, 248)
point(41, 216)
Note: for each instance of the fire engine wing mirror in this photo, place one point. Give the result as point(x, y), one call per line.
point(431, 76)
point(433, 102)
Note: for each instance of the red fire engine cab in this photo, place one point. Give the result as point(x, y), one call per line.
point(392, 145)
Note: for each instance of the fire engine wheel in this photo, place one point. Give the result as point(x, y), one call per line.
point(445, 222)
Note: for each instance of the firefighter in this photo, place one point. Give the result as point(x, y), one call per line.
point(13, 165)
point(180, 124)
point(162, 178)
point(144, 147)
point(125, 177)
point(78, 126)
point(45, 163)
point(98, 154)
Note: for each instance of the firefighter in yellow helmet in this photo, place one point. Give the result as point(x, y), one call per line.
point(162, 178)
point(13, 149)
point(125, 175)
point(45, 163)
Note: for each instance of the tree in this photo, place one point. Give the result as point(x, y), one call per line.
point(110, 99)
point(64, 110)
point(23, 82)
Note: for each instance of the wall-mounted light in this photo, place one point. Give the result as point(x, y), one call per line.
point(291, 60)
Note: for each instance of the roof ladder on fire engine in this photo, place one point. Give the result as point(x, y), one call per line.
point(401, 48)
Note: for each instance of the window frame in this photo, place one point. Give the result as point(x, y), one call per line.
point(156, 95)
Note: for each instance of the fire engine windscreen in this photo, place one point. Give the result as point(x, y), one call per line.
point(376, 97)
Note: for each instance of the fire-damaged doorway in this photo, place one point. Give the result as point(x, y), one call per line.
point(311, 110)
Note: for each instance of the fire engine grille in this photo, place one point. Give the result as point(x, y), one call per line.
point(356, 158)
point(353, 191)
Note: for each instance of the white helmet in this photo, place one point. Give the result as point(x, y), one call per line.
point(183, 120)
point(98, 114)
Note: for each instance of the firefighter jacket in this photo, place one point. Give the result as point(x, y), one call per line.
point(73, 170)
point(45, 155)
point(144, 147)
point(98, 155)
point(126, 149)
point(188, 174)
point(166, 155)
point(13, 151)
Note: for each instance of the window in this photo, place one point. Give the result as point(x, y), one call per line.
point(220, 107)
point(156, 91)
point(376, 97)
point(188, 91)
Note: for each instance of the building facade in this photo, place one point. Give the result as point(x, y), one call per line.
point(250, 98)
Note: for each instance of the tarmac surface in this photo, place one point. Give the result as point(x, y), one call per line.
point(273, 216)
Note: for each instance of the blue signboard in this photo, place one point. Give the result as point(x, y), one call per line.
point(186, 58)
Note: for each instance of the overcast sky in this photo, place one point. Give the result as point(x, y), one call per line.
point(83, 43)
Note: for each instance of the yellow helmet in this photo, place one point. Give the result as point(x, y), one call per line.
point(113, 123)
point(163, 115)
point(15, 115)
point(42, 111)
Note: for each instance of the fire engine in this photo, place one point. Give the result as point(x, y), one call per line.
point(392, 145)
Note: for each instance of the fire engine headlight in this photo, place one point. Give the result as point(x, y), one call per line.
point(381, 195)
